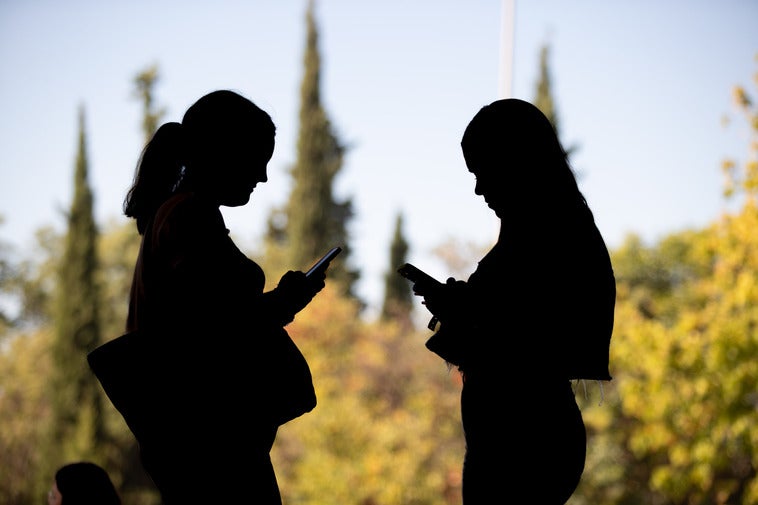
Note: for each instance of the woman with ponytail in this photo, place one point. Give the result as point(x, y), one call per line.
point(206, 372)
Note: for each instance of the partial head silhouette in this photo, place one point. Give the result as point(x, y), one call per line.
point(514, 151)
point(83, 483)
point(221, 149)
point(229, 142)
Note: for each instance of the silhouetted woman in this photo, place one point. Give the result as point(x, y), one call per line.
point(217, 373)
point(536, 313)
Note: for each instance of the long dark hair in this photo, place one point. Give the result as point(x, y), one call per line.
point(178, 148)
point(515, 135)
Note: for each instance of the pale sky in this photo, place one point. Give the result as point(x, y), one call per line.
point(640, 86)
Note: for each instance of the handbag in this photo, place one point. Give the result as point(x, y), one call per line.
point(134, 374)
point(126, 368)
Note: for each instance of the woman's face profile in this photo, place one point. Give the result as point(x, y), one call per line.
point(489, 185)
point(242, 164)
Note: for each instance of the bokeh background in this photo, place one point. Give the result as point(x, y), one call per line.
point(640, 90)
point(655, 101)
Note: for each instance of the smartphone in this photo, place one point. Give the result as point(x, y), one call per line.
point(422, 281)
point(417, 276)
point(322, 263)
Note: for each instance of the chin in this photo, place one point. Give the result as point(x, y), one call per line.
point(237, 201)
point(495, 209)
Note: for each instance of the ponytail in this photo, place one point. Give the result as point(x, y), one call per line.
point(158, 172)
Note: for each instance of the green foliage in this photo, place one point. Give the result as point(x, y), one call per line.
point(543, 99)
point(683, 354)
point(677, 425)
point(24, 416)
point(35, 279)
point(144, 83)
point(76, 402)
point(398, 297)
point(314, 220)
point(26, 374)
point(387, 426)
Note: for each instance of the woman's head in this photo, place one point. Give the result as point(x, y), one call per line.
point(83, 483)
point(229, 142)
point(517, 158)
point(221, 149)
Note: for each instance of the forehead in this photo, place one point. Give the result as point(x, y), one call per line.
point(247, 139)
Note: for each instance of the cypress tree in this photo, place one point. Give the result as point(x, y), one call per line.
point(77, 405)
point(398, 297)
point(314, 220)
point(144, 83)
point(543, 98)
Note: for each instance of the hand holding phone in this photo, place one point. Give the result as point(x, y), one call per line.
point(422, 284)
point(422, 281)
point(324, 261)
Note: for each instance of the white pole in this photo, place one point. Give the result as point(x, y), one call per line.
point(506, 48)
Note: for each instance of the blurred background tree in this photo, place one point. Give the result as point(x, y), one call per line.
point(678, 423)
point(313, 220)
point(683, 423)
point(76, 425)
point(398, 298)
point(144, 90)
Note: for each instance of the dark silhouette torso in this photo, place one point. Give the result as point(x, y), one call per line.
point(217, 393)
point(524, 432)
